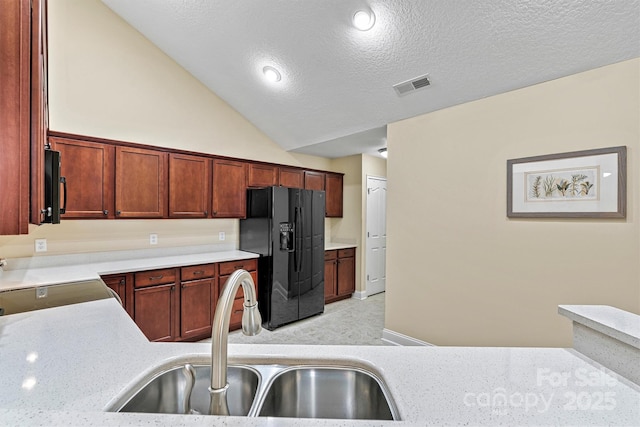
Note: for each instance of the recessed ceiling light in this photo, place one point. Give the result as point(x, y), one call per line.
point(271, 74)
point(364, 20)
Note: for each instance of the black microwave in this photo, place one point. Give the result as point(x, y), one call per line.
point(52, 183)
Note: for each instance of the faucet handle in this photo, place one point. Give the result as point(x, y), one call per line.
point(190, 375)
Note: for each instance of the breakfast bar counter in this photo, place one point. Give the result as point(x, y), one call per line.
point(68, 365)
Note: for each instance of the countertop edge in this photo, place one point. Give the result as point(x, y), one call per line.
point(616, 323)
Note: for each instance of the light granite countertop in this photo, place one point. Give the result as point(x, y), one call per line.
point(95, 265)
point(66, 365)
point(331, 246)
point(43, 271)
point(611, 321)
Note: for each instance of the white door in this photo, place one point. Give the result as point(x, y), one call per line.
point(376, 234)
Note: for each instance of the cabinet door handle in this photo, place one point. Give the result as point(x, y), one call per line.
point(105, 212)
point(206, 213)
point(122, 281)
point(215, 212)
point(173, 288)
point(118, 212)
point(156, 277)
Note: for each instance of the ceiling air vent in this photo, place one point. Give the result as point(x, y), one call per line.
point(412, 85)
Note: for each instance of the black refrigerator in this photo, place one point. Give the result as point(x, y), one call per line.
point(285, 226)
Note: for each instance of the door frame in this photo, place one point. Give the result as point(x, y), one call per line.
point(365, 293)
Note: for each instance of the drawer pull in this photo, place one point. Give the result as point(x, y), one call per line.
point(156, 277)
point(238, 267)
point(198, 273)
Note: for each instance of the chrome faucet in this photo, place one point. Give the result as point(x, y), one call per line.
point(251, 325)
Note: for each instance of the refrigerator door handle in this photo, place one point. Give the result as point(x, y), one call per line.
point(296, 255)
point(301, 243)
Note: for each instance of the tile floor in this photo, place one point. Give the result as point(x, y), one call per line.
point(347, 322)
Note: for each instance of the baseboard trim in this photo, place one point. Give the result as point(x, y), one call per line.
point(390, 337)
point(359, 295)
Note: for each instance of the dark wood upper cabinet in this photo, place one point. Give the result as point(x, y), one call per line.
point(189, 186)
point(88, 168)
point(140, 183)
point(290, 177)
point(333, 188)
point(39, 106)
point(22, 113)
point(313, 180)
point(229, 189)
point(262, 175)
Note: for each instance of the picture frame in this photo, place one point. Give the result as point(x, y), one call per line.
point(578, 184)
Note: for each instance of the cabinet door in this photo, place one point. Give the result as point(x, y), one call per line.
point(346, 276)
point(88, 168)
point(39, 106)
point(140, 183)
point(333, 188)
point(313, 180)
point(330, 279)
point(15, 110)
point(262, 175)
point(290, 177)
point(229, 189)
point(189, 186)
point(197, 302)
point(122, 284)
point(156, 312)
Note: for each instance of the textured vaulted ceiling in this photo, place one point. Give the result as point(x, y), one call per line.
point(336, 97)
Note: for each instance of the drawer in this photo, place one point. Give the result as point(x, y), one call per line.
point(345, 253)
point(240, 293)
point(196, 272)
point(155, 277)
point(329, 255)
point(227, 268)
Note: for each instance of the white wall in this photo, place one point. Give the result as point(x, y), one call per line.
point(458, 271)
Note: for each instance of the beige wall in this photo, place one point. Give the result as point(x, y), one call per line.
point(458, 271)
point(107, 80)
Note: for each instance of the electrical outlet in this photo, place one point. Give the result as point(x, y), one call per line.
point(221, 236)
point(41, 245)
point(153, 239)
point(42, 292)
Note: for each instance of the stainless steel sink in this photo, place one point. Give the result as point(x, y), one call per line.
point(166, 392)
point(326, 392)
point(267, 390)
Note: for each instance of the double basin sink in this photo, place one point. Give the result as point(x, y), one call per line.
point(268, 390)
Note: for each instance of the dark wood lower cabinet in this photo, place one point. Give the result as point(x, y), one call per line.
point(198, 297)
point(178, 304)
point(197, 300)
point(122, 284)
point(339, 274)
point(226, 269)
point(156, 311)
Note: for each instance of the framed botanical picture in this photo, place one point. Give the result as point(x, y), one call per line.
point(580, 184)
